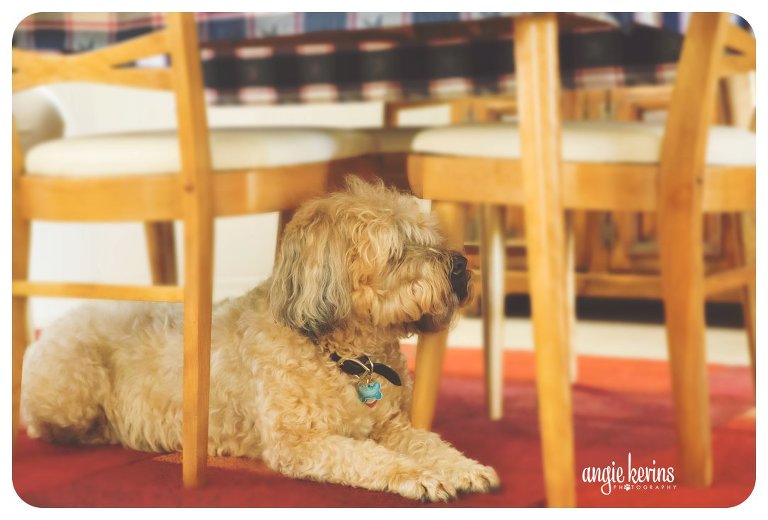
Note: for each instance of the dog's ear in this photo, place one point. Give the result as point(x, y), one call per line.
point(309, 290)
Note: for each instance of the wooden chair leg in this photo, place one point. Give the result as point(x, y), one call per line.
point(625, 225)
point(744, 230)
point(430, 350)
point(739, 101)
point(161, 248)
point(682, 275)
point(597, 253)
point(198, 241)
point(570, 273)
point(19, 311)
point(198, 269)
point(20, 320)
point(681, 248)
point(20, 246)
point(492, 258)
point(539, 82)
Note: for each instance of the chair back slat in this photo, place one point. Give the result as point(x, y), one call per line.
point(183, 77)
point(732, 64)
point(741, 41)
point(191, 115)
point(47, 72)
point(138, 48)
point(106, 65)
point(691, 108)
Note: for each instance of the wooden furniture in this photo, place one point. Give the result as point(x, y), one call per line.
point(616, 253)
point(536, 59)
point(156, 178)
point(680, 171)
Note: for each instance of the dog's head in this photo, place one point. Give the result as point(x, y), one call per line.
point(367, 256)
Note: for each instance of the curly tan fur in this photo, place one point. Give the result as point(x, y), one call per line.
point(357, 271)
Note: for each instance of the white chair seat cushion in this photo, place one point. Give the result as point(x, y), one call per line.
point(157, 152)
point(584, 141)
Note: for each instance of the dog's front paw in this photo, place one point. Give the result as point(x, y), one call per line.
point(422, 485)
point(475, 478)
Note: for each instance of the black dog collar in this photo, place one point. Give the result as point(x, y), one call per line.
point(363, 364)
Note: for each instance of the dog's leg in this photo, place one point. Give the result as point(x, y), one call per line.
point(359, 463)
point(430, 450)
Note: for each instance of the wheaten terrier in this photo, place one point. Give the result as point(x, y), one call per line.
point(306, 370)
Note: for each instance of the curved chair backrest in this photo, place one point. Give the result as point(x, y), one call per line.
point(38, 118)
point(183, 77)
point(713, 48)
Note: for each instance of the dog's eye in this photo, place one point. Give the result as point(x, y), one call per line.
point(398, 257)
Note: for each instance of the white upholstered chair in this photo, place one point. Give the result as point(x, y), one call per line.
point(680, 170)
point(157, 177)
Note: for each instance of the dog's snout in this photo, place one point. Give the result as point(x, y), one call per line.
point(459, 276)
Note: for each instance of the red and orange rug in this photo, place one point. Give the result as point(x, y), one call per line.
point(620, 407)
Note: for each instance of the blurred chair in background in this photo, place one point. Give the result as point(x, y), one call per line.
point(680, 170)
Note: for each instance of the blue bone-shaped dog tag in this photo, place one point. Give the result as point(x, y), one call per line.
point(369, 393)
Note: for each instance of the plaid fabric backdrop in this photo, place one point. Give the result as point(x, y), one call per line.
point(642, 50)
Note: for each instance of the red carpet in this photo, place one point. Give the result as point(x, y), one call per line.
point(620, 407)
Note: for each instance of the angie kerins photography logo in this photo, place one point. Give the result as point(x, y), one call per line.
point(630, 477)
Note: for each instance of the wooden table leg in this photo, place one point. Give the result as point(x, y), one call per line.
point(538, 84)
point(430, 349)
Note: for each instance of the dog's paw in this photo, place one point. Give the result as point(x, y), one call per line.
point(423, 485)
point(475, 478)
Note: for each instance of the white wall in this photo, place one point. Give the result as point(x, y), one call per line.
point(116, 253)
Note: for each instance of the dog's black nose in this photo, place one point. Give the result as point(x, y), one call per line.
point(459, 275)
point(459, 263)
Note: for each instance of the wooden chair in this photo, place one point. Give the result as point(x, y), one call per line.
point(156, 178)
point(680, 170)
